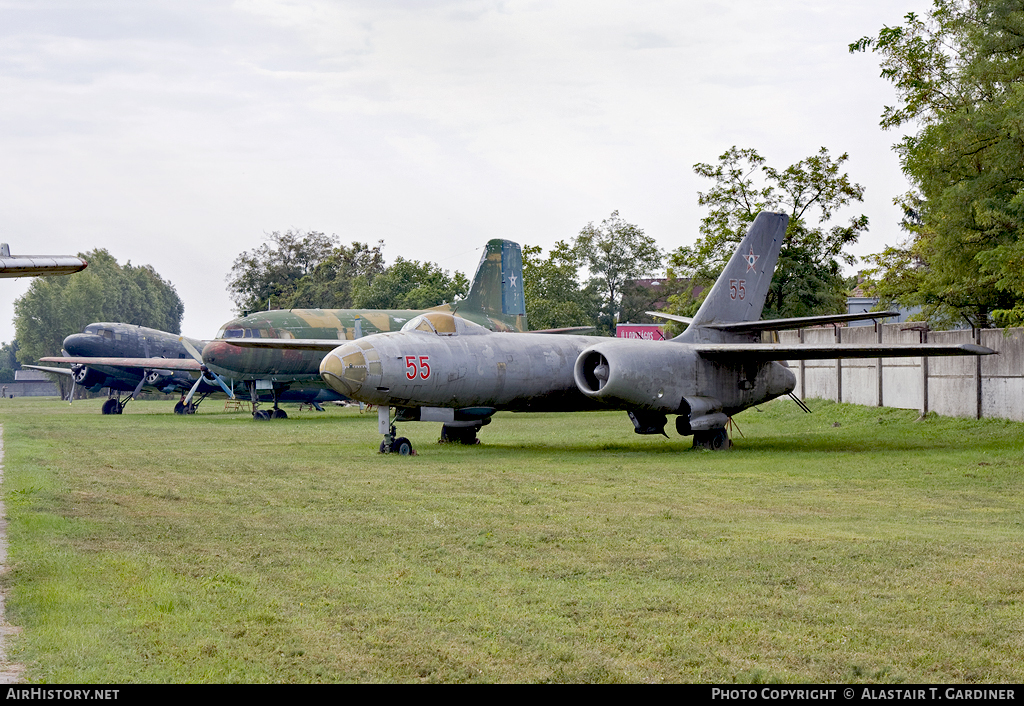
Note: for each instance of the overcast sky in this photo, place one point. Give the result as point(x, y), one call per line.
point(178, 133)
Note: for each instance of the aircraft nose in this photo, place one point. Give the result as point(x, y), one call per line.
point(345, 369)
point(84, 344)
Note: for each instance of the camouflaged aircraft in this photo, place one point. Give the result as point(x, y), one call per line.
point(440, 368)
point(37, 265)
point(495, 302)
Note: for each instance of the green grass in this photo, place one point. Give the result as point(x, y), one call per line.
point(149, 547)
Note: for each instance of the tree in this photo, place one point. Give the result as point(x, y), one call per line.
point(260, 277)
point(302, 270)
point(808, 278)
point(959, 75)
point(9, 361)
point(332, 282)
point(552, 290)
point(616, 254)
point(55, 307)
point(409, 284)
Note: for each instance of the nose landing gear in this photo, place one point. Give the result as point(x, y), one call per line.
point(392, 443)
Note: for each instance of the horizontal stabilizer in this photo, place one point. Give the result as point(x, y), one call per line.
point(779, 351)
point(670, 317)
point(799, 322)
point(45, 369)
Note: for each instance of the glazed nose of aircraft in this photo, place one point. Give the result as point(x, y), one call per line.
point(345, 369)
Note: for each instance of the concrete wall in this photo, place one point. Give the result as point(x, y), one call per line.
point(956, 386)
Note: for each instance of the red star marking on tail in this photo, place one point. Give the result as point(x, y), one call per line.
point(751, 259)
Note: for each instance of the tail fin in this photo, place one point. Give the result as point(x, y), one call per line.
point(497, 288)
point(740, 291)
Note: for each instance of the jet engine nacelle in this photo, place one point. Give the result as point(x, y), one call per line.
point(645, 375)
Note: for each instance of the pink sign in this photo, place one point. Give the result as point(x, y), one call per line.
point(648, 332)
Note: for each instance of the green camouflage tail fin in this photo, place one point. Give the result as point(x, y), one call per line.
point(497, 288)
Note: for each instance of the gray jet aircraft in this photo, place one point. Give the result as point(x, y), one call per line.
point(443, 369)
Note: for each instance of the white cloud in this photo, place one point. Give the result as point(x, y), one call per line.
point(177, 133)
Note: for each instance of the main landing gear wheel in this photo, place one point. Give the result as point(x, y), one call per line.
point(713, 439)
point(459, 435)
point(278, 414)
point(182, 408)
point(111, 406)
point(261, 415)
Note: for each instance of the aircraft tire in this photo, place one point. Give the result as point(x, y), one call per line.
point(402, 447)
point(713, 440)
point(111, 406)
point(459, 435)
point(261, 415)
point(279, 414)
point(179, 408)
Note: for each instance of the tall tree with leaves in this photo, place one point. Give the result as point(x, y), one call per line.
point(55, 307)
point(409, 284)
point(616, 254)
point(552, 290)
point(808, 278)
point(271, 273)
point(959, 75)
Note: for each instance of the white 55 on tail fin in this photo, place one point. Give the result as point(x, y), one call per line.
point(741, 289)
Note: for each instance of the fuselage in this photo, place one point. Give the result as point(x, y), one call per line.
point(118, 340)
point(469, 367)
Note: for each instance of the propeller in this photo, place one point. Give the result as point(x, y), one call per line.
point(229, 391)
point(142, 381)
point(71, 397)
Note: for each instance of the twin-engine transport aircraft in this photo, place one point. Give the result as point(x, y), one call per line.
point(443, 369)
point(161, 362)
point(494, 301)
point(37, 265)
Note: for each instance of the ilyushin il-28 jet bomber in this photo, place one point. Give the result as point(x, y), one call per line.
point(127, 357)
point(443, 369)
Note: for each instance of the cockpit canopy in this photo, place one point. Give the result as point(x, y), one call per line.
point(442, 323)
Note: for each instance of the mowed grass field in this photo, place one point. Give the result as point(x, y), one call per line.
point(852, 544)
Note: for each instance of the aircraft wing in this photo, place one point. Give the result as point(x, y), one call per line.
point(567, 329)
point(148, 363)
point(780, 351)
point(293, 344)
